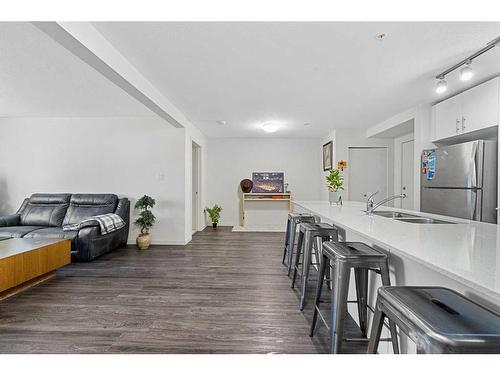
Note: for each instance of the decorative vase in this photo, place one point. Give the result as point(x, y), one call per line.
point(214, 225)
point(143, 241)
point(333, 197)
point(246, 185)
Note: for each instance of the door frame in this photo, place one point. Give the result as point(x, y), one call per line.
point(195, 186)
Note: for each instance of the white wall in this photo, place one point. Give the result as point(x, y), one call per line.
point(342, 140)
point(422, 116)
point(231, 160)
point(126, 156)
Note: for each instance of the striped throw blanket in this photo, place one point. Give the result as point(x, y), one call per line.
point(108, 223)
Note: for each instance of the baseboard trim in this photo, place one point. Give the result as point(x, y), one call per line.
point(182, 243)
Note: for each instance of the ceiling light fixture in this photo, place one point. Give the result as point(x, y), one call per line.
point(441, 86)
point(221, 122)
point(466, 72)
point(270, 127)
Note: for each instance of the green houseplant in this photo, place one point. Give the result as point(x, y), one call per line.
point(214, 214)
point(145, 221)
point(335, 184)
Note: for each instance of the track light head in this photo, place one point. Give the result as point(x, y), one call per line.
point(441, 86)
point(466, 72)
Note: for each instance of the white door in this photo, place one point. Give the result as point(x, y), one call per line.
point(407, 173)
point(367, 168)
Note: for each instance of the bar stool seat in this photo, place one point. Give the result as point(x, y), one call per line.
point(310, 233)
point(438, 320)
point(294, 219)
point(344, 256)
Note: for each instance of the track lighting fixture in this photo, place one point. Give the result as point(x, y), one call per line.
point(441, 86)
point(466, 72)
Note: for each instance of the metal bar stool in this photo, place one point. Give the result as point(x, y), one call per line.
point(344, 256)
point(291, 227)
point(438, 320)
point(310, 236)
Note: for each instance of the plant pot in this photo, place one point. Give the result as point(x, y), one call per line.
point(333, 197)
point(214, 225)
point(143, 241)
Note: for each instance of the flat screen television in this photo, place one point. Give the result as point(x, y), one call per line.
point(268, 182)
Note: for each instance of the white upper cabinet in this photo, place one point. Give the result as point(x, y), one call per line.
point(480, 106)
point(474, 109)
point(446, 118)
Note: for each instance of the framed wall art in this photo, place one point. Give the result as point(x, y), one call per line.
point(327, 156)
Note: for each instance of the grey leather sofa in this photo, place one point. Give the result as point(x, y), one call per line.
point(43, 215)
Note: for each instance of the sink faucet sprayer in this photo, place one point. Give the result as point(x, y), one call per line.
point(370, 206)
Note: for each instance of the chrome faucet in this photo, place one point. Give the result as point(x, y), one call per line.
point(370, 206)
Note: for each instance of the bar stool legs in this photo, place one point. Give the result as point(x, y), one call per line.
point(292, 222)
point(311, 236)
point(324, 265)
point(384, 271)
point(287, 238)
point(339, 306)
point(304, 242)
point(361, 276)
point(345, 256)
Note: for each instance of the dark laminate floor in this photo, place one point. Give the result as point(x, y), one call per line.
point(223, 293)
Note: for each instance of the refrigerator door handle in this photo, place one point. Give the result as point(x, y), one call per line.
point(472, 178)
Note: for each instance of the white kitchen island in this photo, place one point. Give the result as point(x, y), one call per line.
point(464, 256)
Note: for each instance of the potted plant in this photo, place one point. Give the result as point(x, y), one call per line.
point(145, 221)
point(214, 213)
point(335, 184)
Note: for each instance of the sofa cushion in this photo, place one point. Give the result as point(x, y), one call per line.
point(47, 210)
point(54, 233)
point(83, 206)
point(17, 231)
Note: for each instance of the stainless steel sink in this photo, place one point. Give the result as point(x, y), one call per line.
point(394, 214)
point(409, 218)
point(423, 220)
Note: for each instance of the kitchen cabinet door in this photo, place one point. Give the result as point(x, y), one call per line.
point(447, 118)
point(480, 107)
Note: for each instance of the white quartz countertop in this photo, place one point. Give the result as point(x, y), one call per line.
point(468, 251)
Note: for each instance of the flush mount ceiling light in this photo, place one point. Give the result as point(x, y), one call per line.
point(466, 72)
point(441, 86)
point(270, 127)
point(380, 37)
point(221, 122)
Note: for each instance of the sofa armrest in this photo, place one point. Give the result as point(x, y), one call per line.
point(91, 224)
point(10, 220)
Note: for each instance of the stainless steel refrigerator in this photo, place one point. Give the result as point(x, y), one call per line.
point(460, 181)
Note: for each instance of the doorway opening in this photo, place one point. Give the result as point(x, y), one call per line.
point(195, 186)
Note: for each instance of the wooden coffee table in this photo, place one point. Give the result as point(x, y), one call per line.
point(26, 262)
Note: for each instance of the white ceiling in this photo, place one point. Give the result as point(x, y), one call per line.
point(331, 75)
point(40, 78)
